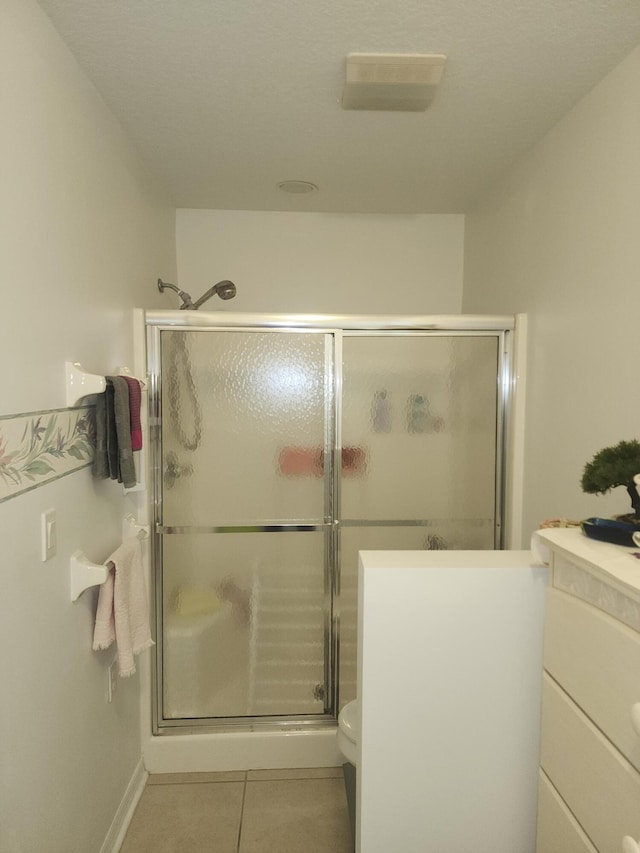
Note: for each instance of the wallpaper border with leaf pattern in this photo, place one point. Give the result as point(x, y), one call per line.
point(39, 447)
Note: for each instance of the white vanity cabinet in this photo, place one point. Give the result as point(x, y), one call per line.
point(449, 662)
point(589, 786)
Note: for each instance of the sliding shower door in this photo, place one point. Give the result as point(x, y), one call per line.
point(420, 411)
point(244, 476)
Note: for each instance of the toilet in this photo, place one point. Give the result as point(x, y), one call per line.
point(348, 732)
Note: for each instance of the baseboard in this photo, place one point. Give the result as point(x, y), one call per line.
point(124, 813)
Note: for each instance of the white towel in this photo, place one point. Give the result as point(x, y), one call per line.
point(122, 613)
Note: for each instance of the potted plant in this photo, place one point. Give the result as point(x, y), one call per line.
point(616, 466)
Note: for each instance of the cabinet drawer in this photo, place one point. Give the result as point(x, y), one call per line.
point(598, 785)
point(596, 659)
point(558, 831)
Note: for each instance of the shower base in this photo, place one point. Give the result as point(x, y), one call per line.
point(210, 752)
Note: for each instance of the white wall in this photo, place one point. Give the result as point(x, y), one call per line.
point(557, 238)
point(83, 236)
point(322, 262)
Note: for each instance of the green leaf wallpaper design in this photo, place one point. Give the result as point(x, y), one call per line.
point(38, 447)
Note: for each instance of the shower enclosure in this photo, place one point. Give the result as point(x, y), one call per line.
point(281, 446)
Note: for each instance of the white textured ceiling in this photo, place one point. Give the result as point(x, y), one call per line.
point(226, 98)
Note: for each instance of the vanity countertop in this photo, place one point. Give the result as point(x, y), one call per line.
point(610, 565)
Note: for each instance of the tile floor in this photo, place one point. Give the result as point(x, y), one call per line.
point(260, 811)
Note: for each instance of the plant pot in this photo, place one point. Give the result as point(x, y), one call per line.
point(612, 530)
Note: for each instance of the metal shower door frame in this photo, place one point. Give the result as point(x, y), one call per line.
point(160, 724)
point(336, 327)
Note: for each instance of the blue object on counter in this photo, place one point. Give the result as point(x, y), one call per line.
point(610, 530)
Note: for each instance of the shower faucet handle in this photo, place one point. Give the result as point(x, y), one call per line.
point(174, 469)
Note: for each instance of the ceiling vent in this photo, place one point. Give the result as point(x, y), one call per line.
point(297, 187)
point(387, 81)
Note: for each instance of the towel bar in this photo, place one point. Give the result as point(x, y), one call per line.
point(81, 384)
point(84, 574)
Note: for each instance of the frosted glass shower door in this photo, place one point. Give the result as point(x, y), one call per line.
point(246, 428)
point(420, 419)
point(422, 412)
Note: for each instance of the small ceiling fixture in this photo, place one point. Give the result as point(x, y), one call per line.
point(391, 81)
point(297, 187)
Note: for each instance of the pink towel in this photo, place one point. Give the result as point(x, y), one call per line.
point(122, 613)
point(134, 412)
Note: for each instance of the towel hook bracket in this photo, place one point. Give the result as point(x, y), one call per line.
point(84, 574)
point(131, 527)
point(80, 383)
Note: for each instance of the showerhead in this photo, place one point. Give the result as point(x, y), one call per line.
point(224, 289)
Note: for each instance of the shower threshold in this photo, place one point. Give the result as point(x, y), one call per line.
point(207, 751)
point(244, 724)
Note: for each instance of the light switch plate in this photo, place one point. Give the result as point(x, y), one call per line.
point(48, 531)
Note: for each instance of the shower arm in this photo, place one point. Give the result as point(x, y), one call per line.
point(187, 304)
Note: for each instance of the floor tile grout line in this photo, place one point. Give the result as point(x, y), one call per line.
point(296, 779)
point(244, 796)
point(195, 782)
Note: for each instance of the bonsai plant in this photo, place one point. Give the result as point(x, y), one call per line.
point(615, 466)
